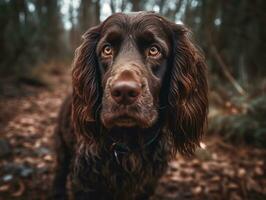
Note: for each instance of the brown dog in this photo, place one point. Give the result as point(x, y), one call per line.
point(139, 96)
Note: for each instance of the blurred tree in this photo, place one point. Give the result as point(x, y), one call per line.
point(49, 27)
point(14, 16)
point(230, 33)
point(118, 6)
point(233, 28)
point(89, 14)
point(136, 5)
point(28, 36)
point(73, 32)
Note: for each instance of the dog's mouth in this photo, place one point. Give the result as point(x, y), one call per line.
point(128, 117)
point(125, 121)
point(122, 120)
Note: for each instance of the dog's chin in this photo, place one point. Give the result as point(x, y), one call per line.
point(125, 121)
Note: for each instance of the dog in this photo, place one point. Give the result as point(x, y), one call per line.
point(139, 97)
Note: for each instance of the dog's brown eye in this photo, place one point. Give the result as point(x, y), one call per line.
point(154, 51)
point(107, 50)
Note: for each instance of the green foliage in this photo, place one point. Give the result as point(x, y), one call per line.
point(248, 127)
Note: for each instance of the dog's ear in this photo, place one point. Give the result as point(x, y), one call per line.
point(188, 101)
point(85, 77)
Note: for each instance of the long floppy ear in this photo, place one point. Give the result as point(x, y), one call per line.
point(188, 101)
point(85, 77)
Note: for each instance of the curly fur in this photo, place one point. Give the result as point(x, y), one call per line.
point(84, 141)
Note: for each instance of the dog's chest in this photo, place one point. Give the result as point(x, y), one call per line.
point(133, 172)
point(131, 167)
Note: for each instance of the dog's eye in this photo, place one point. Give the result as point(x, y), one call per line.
point(107, 50)
point(154, 51)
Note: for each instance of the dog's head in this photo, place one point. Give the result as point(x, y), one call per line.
point(135, 69)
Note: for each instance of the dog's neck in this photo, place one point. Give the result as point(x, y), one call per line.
point(131, 138)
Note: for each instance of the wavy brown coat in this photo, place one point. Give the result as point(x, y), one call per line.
point(83, 143)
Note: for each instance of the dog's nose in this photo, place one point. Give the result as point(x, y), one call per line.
point(125, 92)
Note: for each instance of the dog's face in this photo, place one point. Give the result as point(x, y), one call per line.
point(132, 53)
point(134, 68)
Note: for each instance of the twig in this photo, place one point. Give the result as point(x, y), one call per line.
point(228, 75)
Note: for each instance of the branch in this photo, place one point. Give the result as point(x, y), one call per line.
point(226, 72)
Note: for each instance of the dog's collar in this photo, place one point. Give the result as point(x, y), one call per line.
point(121, 148)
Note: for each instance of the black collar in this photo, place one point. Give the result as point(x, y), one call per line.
point(118, 148)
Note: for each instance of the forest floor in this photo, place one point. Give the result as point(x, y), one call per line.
point(219, 170)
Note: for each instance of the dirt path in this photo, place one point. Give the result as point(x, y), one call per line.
point(220, 171)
